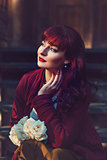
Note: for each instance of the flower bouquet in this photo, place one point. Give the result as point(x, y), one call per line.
point(28, 128)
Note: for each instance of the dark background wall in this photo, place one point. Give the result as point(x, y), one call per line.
point(24, 21)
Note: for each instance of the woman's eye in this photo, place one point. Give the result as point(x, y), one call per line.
point(54, 50)
point(42, 44)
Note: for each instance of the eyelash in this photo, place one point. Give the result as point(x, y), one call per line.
point(52, 49)
point(42, 44)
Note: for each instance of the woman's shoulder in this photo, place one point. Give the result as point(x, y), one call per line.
point(33, 74)
point(30, 77)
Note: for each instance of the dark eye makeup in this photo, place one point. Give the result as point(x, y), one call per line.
point(42, 44)
point(51, 47)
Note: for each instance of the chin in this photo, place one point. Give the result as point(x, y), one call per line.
point(40, 64)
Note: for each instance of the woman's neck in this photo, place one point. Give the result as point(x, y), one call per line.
point(48, 74)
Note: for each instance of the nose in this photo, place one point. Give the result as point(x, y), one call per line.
point(44, 51)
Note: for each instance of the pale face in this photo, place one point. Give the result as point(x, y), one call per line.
point(50, 57)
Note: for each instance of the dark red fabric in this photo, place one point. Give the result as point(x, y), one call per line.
point(14, 157)
point(65, 130)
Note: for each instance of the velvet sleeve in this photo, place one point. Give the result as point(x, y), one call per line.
point(62, 133)
point(19, 101)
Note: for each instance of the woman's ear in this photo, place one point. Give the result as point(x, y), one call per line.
point(66, 61)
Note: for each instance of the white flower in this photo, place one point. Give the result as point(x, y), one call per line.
point(28, 129)
point(16, 134)
point(35, 129)
point(23, 120)
point(13, 136)
point(14, 139)
point(40, 129)
point(28, 125)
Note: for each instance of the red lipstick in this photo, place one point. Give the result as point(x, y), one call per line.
point(41, 59)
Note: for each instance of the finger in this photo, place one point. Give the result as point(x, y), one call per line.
point(51, 80)
point(55, 79)
point(59, 80)
point(59, 85)
point(59, 77)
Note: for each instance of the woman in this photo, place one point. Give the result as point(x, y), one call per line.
point(60, 94)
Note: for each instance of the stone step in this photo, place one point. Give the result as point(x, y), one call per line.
point(4, 133)
point(12, 65)
point(5, 158)
point(32, 65)
point(93, 69)
point(96, 108)
point(99, 89)
point(18, 54)
point(103, 134)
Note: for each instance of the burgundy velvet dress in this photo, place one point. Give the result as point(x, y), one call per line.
point(72, 130)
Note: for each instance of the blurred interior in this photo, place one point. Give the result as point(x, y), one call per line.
point(22, 21)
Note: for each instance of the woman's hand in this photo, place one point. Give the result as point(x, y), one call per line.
point(52, 85)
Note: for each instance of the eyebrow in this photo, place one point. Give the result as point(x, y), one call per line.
point(53, 44)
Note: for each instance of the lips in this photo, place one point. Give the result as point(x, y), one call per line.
point(41, 59)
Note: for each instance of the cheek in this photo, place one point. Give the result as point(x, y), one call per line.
point(56, 60)
point(38, 51)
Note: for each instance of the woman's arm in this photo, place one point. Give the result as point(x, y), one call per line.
point(61, 133)
point(19, 101)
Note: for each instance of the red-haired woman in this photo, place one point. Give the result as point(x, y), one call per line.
point(60, 94)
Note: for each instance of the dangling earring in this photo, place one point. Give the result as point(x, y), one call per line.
point(65, 66)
